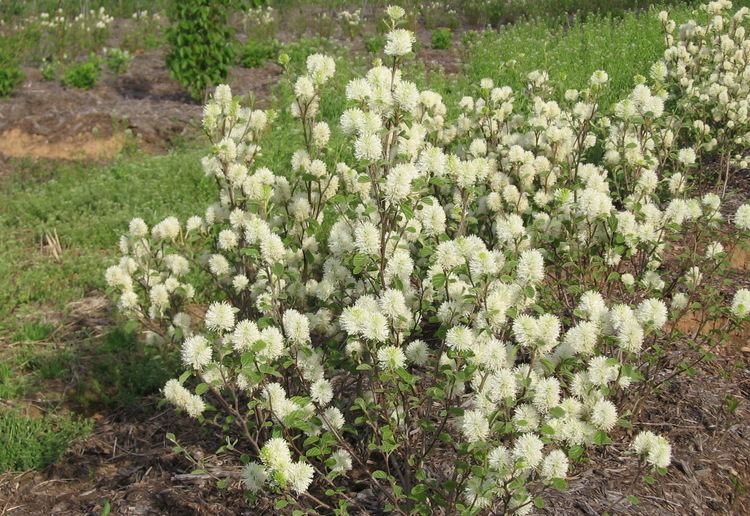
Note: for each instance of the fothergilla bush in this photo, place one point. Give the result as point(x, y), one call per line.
point(456, 311)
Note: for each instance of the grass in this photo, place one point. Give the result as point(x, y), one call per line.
point(622, 46)
point(88, 207)
point(36, 442)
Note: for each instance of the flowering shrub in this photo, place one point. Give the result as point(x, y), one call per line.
point(456, 311)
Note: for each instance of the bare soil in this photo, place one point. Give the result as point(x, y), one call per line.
point(44, 119)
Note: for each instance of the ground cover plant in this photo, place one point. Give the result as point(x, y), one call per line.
point(454, 312)
point(72, 365)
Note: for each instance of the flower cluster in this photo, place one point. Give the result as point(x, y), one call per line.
point(489, 286)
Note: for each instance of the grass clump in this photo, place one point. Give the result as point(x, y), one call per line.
point(441, 38)
point(36, 442)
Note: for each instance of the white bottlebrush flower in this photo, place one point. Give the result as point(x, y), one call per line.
point(652, 313)
point(159, 296)
point(398, 183)
point(196, 352)
point(604, 415)
point(679, 302)
point(367, 239)
point(528, 448)
point(399, 42)
point(546, 394)
point(137, 228)
point(240, 282)
point(333, 419)
point(320, 68)
point(417, 352)
point(227, 240)
point(391, 358)
point(741, 303)
point(460, 338)
point(321, 392)
point(583, 337)
point(530, 267)
point(742, 217)
point(395, 12)
point(555, 465)
point(299, 475)
point(686, 156)
point(526, 418)
point(194, 406)
point(275, 454)
point(321, 134)
point(499, 459)
point(599, 78)
point(368, 147)
point(297, 327)
point(342, 461)
point(245, 334)
point(655, 448)
point(218, 265)
point(254, 476)
point(167, 229)
point(220, 317)
point(714, 249)
point(475, 426)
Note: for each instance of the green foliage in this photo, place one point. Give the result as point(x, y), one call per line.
point(10, 76)
point(375, 44)
point(117, 60)
point(33, 443)
point(48, 71)
point(121, 372)
point(82, 74)
point(503, 12)
point(255, 53)
point(299, 50)
point(87, 204)
point(33, 332)
point(11, 385)
point(200, 41)
point(441, 38)
point(624, 47)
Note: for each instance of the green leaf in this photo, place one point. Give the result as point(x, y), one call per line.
point(201, 388)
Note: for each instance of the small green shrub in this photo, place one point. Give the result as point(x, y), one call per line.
point(255, 53)
point(375, 44)
point(10, 76)
point(82, 74)
point(200, 41)
point(442, 38)
point(48, 71)
point(33, 443)
point(117, 60)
